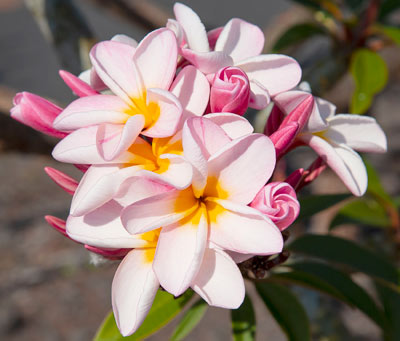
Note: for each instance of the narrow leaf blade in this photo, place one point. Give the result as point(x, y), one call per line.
point(313, 204)
point(190, 320)
point(165, 307)
point(353, 293)
point(244, 322)
point(286, 309)
point(347, 253)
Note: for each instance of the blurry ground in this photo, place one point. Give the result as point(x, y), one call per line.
point(48, 289)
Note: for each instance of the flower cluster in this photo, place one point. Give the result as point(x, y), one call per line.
point(175, 183)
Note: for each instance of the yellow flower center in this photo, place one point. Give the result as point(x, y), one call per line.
point(150, 111)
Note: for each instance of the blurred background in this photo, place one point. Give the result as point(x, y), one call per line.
point(48, 287)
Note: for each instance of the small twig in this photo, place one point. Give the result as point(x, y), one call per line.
point(258, 266)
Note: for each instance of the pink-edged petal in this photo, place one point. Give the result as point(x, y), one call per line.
point(195, 32)
point(219, 281)
point(114, 139)
point(122, 38)
point(233, 125)
point(361, 133)
point(170, 113)
point(240, 40)
point(192, 89)
point(200, 139)
point(138, 188)
point(79, 147)
point(63, 180)
point(196, 156)
point(99, 185)
point(113, 62)
point(250, 157)
point(259, 95)
point(276, 73)
point(180, 251)
point(90, 110)
point(155, 58)
point(210, 135)
point(102, 228)
point(78, 86)
point(178, 174)
point(157, 211)
point(207, 62)
point(346, 163)
point(133, 290)
point(242, 229)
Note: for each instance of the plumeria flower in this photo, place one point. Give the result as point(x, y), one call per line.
point(161, 161)
point(218, 280)
point(140, 79)
point(214, 209)
point(238, 44)
point(335, 138)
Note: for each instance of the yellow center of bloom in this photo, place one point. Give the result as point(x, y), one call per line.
point(152, 238)
point(150, 156)
point(193, 206)
point(150, 111)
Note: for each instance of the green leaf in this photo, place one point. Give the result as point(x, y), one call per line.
point(313, 204)
point(375, 186)
point(355, 5)
point(390, 300)
point(391, 32)
point(347, 253)
point(353, 293)
point(165, 307)
point(370, 75)
point(309, 281)
point(366, 211)
point(296, 34)
point(286, 309)
point(314, 4)
point(387, 7)
point(244, 322)
point(190, 320)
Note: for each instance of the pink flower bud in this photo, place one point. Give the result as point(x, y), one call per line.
point(36, 112)
point(274, 120)
point(278, 201)
point(63, 180)
point(230, 91)
point(295, 178)
point(57, 223)
point(284, 137)
point(301, 113)
point(78, 86)
point(111, 254)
